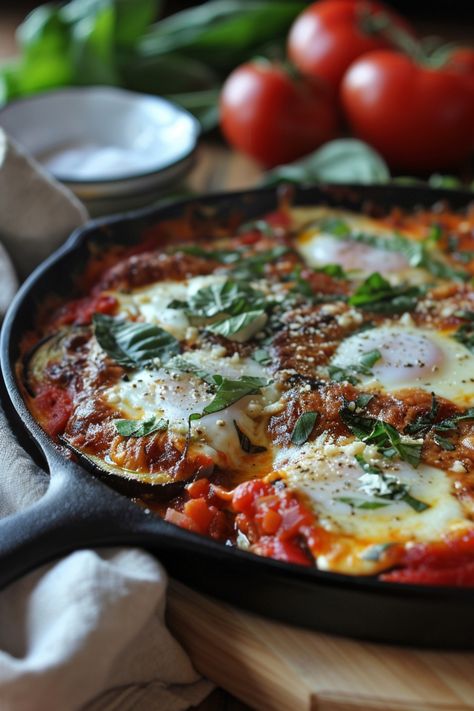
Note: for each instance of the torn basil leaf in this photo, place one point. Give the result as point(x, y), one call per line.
point(303, 427)
point(223, 256)
point(376, 294)
point(253, 267)
point(361, 503)
point(381, 434)
point(140, 428)
point(383, 485)
point(246, 444)
point(465, 335)
point(262, 356)
point(242, 327)
point(229, 297)
point(132, 343)
point(230, 391)
point(349, 373)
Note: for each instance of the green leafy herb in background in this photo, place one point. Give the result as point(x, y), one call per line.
point(185, 56)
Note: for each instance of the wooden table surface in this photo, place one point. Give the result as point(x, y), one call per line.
point(217, 168)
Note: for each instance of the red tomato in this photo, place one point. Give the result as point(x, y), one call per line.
point(419, 118)
point(54, 406)
point(329, 35)
point(274, 117)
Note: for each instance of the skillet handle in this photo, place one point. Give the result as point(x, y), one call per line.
point(76, 512)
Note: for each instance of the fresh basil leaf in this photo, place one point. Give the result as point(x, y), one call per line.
point(246, 444)
point(344, 160)
point(370, 358)
point(262, 356)
point(361, 503)
point(335, 226)
point(363, 400)
point(376, 294)
point(415, 504)
point(230, 391)
point(132, 343)
point(423, 423)
point(224, 32)
point(185, 366)
point(381, 434)
point(333, 270)
point(375, 482)
point(140, 428)
point(230, 297)
point(224, 256)
point(444, 443)
point(303, 427)
point(253, 267)
point(349, 373)
point(234, 326)
point(258, 225)
point(465, 335)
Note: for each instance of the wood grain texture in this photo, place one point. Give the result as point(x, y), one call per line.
point(276, 667)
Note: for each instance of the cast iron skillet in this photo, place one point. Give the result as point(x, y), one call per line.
point(80, 511)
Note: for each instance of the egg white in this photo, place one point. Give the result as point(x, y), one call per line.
point(412, 358)
point(319, 248)
point(323, 473)
point(173, 395)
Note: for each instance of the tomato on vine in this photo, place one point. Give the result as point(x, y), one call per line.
point(273, 116)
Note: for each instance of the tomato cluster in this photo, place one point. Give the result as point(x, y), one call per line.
point(358, 63)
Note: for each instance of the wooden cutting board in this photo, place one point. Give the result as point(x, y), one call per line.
point(276, 667)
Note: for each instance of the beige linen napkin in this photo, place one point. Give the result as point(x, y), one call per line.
point(88, 631)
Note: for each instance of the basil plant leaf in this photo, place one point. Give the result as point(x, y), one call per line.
point(132, 344)
point(303, 427)
point(140, 428)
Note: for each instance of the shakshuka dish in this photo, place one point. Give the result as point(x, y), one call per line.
point(300, 386)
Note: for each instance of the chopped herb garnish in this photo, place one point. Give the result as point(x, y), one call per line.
point(140, 428)
point(349, 373)
point(444, 443)
point(241, 327)
point(333, 270)
point(363, 400)
point(376, 294)
point(465, 335)
point(361, 503)
point(224, 256)
point(262, 356)
point(184, 366)
point(230, 391)
point(303, 427)
point(229, 297)
point(260, 226)
point(132, 343)
point(381, 434)
point(253, 267)
point(246, 444)
point(375, 482)
point(426, 422)
point(335, 226)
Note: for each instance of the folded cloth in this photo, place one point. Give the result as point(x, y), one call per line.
point(86, 632)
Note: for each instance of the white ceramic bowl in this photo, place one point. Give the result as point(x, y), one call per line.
point(110, 146)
